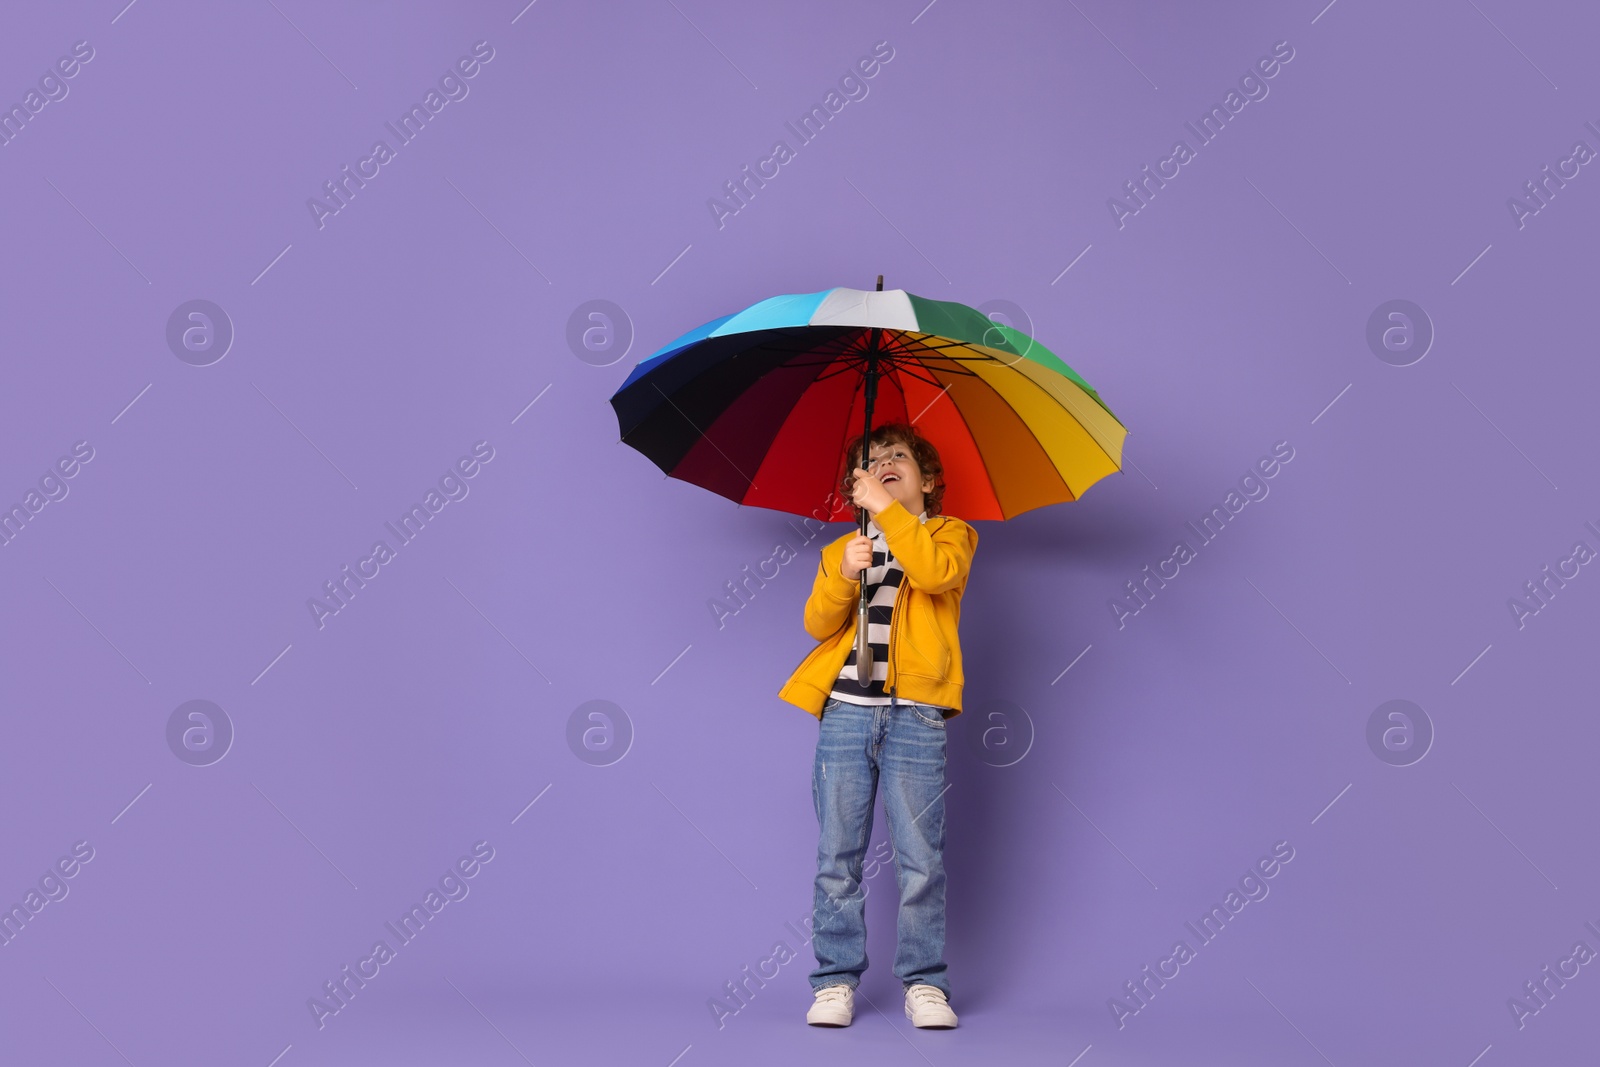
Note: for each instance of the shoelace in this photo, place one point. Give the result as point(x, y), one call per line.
point(832, 993)
point(925, 995)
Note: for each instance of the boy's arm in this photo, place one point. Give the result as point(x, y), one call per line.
point(832, 596)
point(932, 564)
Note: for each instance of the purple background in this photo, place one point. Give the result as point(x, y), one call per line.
point(1229, 314)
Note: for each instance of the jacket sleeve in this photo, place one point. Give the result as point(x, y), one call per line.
point(932, 563)
point(832, 596)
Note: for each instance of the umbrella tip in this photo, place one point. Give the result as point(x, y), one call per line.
point(880, 283)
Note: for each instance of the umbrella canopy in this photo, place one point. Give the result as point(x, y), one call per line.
point(760, 406)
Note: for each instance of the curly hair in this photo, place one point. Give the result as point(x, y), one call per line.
point(926, 455)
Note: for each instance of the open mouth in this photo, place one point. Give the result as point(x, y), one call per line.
point(887, 478)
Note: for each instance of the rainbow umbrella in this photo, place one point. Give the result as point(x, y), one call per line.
point(760, 406)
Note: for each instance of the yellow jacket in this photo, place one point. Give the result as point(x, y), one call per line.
point(924, 650)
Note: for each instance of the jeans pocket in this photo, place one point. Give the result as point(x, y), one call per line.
point(928, 716)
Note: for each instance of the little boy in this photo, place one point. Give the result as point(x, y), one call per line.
point(916, 562)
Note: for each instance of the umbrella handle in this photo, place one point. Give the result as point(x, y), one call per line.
point(863, 646)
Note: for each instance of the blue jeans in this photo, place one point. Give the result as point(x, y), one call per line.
point(906, 742)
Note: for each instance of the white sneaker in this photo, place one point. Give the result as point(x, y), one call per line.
point(835, 1006)
point(927, 1007)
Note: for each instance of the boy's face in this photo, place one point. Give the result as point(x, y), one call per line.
point(895, 465)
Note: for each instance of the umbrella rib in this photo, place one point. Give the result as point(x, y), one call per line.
point(892, 361)
point(968, 346)
point(851, 365)
point(898, 369)
point(900, 346)
point(845, 369)
point(959, 359)
point(953, 344)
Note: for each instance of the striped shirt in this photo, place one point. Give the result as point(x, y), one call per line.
point(883, 585)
